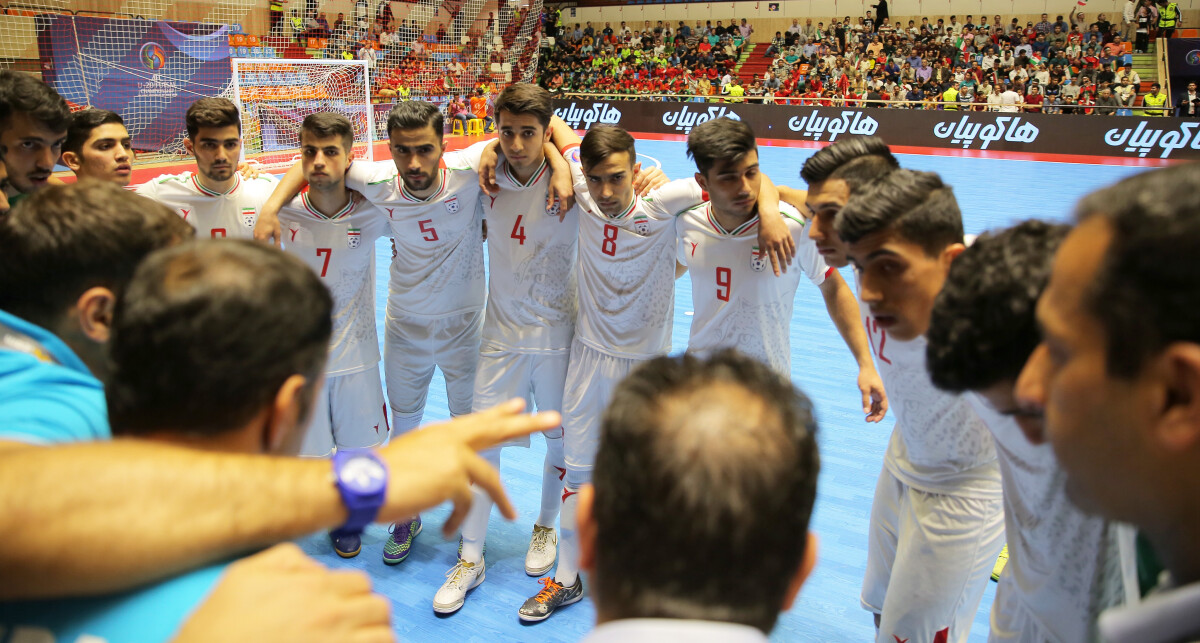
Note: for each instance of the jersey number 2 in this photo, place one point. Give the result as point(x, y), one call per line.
point(518, 231)
point(724, 283)
point(328, 252)
point(609, 246)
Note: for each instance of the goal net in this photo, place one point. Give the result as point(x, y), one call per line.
point(275, 95)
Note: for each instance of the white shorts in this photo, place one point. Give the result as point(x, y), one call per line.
point(348, 412)
point(1010, 620)
point(591, 379)
point(929, 558)
point(414, 345)
point(537, 378)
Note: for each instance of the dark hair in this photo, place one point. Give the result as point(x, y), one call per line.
point(1145, 291)
point(326, 124)
point(415, 114)
point(525, 98)
point(602, 141)
point(21, 92)
point(82, 124)
point(212, 112)
point(982, 329)
point(719, 139)
point(241, 315)
point(857, 161)
point(65, 239)
point(686, 464)
point(916, 205)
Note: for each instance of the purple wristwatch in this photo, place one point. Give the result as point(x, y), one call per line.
point(361, 479)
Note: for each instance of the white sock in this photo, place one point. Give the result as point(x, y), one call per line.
point(474, 529)
point(553, 472)
point(568, 541)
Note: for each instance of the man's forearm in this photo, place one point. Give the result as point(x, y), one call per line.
point(288, 187)
point(844, 311)
point(561, 134)
point(103, 517)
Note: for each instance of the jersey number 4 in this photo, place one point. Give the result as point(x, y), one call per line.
point(518, 231)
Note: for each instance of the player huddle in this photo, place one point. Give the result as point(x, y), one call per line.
point(584, 247)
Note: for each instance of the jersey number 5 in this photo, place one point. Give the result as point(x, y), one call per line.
point(609, 246)
point(427, 228)
point(724, 283)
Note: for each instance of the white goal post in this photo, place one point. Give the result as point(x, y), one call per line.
point(274, 95)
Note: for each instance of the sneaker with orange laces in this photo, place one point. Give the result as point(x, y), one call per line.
point(552, 597)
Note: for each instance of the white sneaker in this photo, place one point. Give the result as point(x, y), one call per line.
point(461, 579)
point(543, 549)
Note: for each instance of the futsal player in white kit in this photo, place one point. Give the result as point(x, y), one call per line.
point(937, 522)
point(737, 302)
point(436, 286)
point(626, 279)
point(1064, 565)
point(528, 323)
point(214, 199)
point(333, 230)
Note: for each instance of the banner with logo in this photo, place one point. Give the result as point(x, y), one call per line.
point(1057, 134)
point(148, 71)
point(1183, 61)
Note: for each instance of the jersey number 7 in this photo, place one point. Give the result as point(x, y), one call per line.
point(328, 252)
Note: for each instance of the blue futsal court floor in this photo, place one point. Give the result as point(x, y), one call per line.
point(992, 193)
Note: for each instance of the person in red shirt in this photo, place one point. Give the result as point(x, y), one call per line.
point(1034, 99)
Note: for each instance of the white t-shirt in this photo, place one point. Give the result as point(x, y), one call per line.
point(341, 251)
point(627, 271)
point(1009, 101)
point(1056, 553)
point(213, 214)
point(438, 267)
point(940, 444)
point(738, 300)
point(532, 291)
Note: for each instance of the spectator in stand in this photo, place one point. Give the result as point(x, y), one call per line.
point(1034, 99)
point(479, 107)
point(1010, 100)
point(1154, 99)
point(1188, 103)
point(1107, 104)
point(457, 110)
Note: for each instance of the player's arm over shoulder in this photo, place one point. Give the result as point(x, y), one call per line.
point(675, 197)
point(364, 176)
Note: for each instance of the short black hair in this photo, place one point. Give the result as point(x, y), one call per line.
point(681, 466)
point(416, 114)
point(326, 124)
point(82, 124)
point(211, 112)
point(1147, 286)
point(916, 205)
point(857, 160)
point(525, 98)
point(719, 139)
point(64, 239)
point(982, 329)
point(208, 331)
point(21, 92)
point(602, 141)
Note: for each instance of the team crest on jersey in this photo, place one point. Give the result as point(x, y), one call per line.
point(641, 224)
point(757, 261)
point(552, 212)
point(353, 235)
point(452, 205)
point(248, 216)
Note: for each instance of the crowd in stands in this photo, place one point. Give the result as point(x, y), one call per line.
point(1059, 66)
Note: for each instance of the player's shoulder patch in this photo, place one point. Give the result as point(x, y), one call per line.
point(790, 212)
point(182, 177)
point(694, 208)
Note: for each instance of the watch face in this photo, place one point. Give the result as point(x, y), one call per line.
point(363, 475)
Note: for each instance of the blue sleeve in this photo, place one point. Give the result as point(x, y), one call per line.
point(48, 404)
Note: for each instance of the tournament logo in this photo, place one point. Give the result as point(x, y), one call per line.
point(248, 217)
point(153, 56)
point(641, 224)
point(353, 235)
point(757, 262)
point(1193, 57)
point(452, 204)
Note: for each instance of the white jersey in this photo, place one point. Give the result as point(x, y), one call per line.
point(438, 267)
point(627, 271)
point(738, 300)
point(213, 214)
point(1057, 554)
point(939, 445)
point(341, 251)
point(532, 296)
